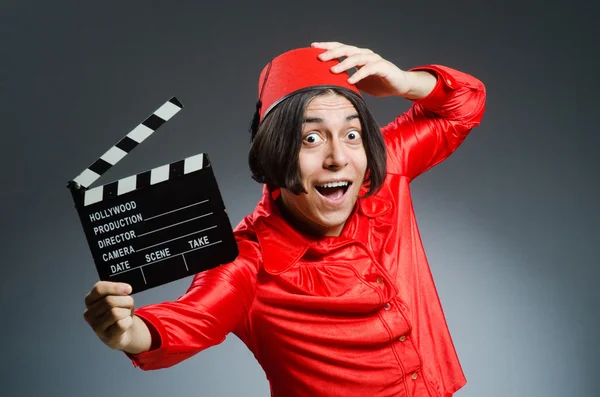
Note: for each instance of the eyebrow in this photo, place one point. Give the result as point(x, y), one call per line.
point(320, 120)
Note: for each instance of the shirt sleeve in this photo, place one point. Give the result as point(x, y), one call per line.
point(216, 302)
point(434, 127)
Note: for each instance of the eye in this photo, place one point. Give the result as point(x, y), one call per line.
point(353, 135)
point(312, 138)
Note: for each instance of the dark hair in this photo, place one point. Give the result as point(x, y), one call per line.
point(275, 149)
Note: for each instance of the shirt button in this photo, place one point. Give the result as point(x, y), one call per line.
point(380, 280)
point(449, 82)
point(402, 338)
point(387, 306)
point(414, 376)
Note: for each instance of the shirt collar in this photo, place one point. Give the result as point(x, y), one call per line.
point(282, 245)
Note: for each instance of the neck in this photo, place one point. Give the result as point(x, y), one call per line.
point(301, 224)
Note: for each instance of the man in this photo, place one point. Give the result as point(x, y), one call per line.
point(331, 291)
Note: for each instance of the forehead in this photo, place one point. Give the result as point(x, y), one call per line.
point(329, 103)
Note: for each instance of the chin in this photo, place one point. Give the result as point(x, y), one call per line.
point(334, 222)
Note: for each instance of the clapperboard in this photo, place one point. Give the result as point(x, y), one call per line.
point(157, 226)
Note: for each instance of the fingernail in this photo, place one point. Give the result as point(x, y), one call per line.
point(126, 289)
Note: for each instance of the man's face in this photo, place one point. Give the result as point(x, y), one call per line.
point(332, 165)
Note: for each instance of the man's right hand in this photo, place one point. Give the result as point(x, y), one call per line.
point(109, 311)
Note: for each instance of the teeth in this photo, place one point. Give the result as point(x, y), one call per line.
point(334, 184)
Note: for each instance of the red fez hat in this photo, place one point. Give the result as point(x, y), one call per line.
point(294, 71)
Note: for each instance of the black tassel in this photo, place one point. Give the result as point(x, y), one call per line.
point(256, 118)
point(255, 121)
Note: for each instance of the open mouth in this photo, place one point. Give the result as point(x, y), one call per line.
point(333, 190)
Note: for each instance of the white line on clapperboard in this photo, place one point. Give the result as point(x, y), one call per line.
point(175, 224)
point(163, 259)
point(176, 238)
point(177, 209)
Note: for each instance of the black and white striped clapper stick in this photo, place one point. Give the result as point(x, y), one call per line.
point(157, 226)
point(129, 142)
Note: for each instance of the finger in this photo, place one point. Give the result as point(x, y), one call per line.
point(326, 44)
point(338, 52)
point(343, 51)
point(102, 323)
point(118, 327)
point(104, 288)
point(101, 306)
point(360, 59)
point(365, 71)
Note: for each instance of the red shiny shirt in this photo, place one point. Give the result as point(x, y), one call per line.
point(354, 315)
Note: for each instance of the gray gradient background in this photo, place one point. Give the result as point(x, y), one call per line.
point(509, 221)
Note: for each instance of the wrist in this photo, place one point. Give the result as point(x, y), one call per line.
point(420, 84)
point(138, 337)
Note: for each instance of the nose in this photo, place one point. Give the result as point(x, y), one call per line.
point(336, 156)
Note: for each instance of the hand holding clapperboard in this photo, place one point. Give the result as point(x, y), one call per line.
point(157, 226)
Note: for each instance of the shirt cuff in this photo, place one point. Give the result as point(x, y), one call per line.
point(444, 87)
point(159, 341)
